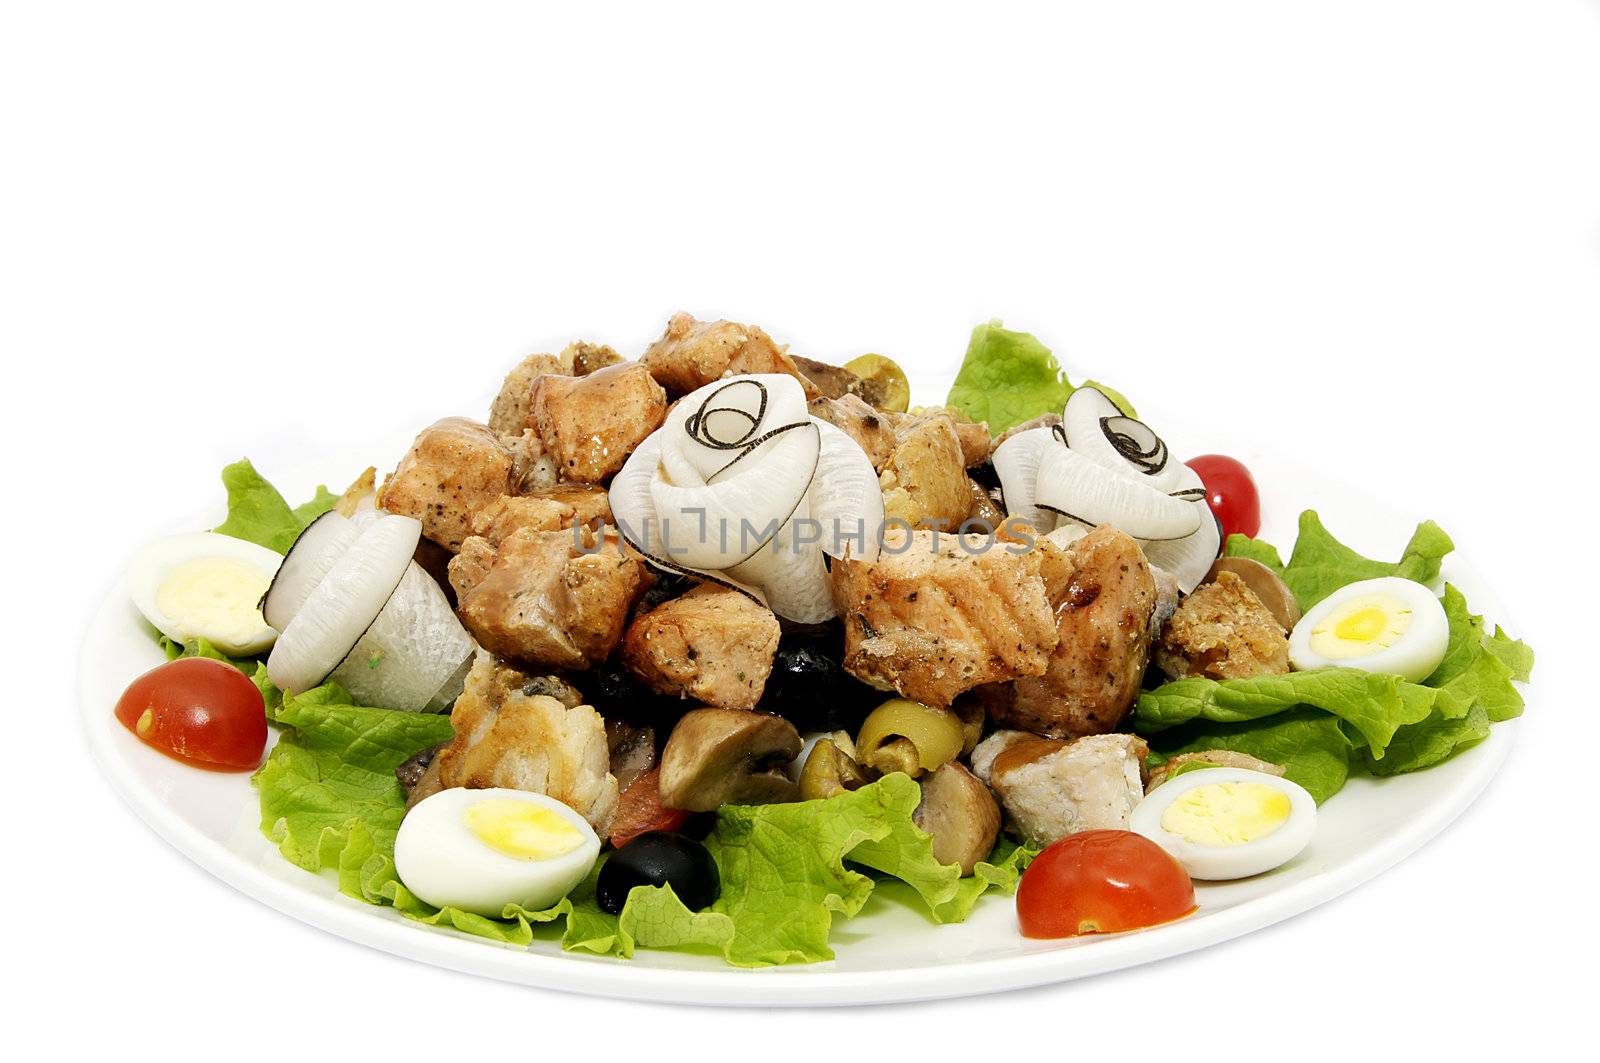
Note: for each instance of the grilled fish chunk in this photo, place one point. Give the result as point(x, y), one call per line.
point(537, 597)
point(712, 644)
point(453, 469)
point(691, 354)
point(1223, 631)
point(1051, 788)
point(506, 737)
point(1104, 597)
point(590, 424)
point(924, 480)
point(935, 616)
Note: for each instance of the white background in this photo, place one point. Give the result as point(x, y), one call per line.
point(1367, 230)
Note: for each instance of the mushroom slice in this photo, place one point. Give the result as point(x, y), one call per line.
point(721, 757)
point(961, 814)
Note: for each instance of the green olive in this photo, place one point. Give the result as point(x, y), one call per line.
point(934, 736)
point(828, 772)
point(970, 712)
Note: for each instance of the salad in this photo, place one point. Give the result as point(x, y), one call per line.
point(697, 650)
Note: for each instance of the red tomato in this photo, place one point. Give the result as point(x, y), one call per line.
point(639, 810)
point(198, 710)
point(1101, 882)
point(1231, 493)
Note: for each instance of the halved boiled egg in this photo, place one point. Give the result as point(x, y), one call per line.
point(1391, 626)
point(205, 585)
point(481, 850)
point(1228, 823)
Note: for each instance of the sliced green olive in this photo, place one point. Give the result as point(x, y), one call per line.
point(908, 736)
point(970, 712)
point(829, 772)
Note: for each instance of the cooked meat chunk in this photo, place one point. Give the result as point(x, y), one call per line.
point(632, 749)
point(512, 409)
point(533, 468)
point(693, 353)
point(973, 435)
point(531, 742)
point(1103, 596)
point(835, 382)
point(582, 358)
point(1210, 758)
point(712, 644)
point(1223, 631)
point(551, 509)
point(537, 597)
point(590, 424)
point(1046, 420)
point(871, 429)
point(924, 480)
point(931, 618)
point(454, 468)
point(1051, 788)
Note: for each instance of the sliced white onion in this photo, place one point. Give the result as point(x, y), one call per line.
point(1068, 532)
point(308, 562)
point(1075, 487)
point(1189, 559)
point(411, 651)
point(1016, 462)
point(346, 602)
point(845, 497)
point(738, 464)
point(1090, 416)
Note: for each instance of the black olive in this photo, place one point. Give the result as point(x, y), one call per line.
point(614, 691)
point(659, 858)
point(810, 688)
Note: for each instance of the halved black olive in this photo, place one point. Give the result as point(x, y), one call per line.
point(659, 858)
point(810, 688)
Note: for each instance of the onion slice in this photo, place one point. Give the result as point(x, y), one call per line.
point(1075, 487)
point(308, 562)
point(406, 658)
point(845, 497)
point(1016, 462)
point(1189, 559)
point(344, 604)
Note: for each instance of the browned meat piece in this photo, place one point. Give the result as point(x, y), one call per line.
point(932, 622)
point(1104, 596)
point(551, 509)
point(533, 468)
point(973, 435)
point(1046, 420)
point(633, 751)
point(590, 505)
point(872, 429)
point(982, 506)
point(536, 598)
point(454, 468)
point(924, 480)
point(1052, 788)
point(1210, 758)
point(712, 644)
point(1223, 631)
point(590, 424)
point(512, 409)
point(835, 382)
point(582, 358)
point(691, 354)
point(505, 737)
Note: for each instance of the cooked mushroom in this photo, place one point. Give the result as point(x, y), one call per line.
point(961, 814)
point(1273, 592)
point(633, 750)
point(720, 757)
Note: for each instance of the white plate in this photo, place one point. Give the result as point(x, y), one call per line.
point(889, 952)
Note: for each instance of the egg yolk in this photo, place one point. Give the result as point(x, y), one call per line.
point(219, 596)
point(521, 830)
point(1361, 627)
point(1227, 813)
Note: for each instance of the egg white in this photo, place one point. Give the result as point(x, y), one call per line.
point(440, 860)
point(150, 567)
point(1414, 655)
point(1220, 863)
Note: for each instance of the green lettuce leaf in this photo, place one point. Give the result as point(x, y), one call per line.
point(1309, 745)
point(1322, 564)
point(1010, 377)
point(1376, 706)
point(330, 800)
point(1254, 549)
point(257, 513)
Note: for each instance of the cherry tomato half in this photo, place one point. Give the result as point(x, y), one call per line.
point(639, 810)
point(1101, 882)
point(1230, 492)
point(198, 710)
